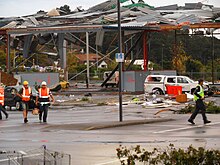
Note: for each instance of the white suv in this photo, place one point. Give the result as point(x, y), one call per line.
point(157, 83)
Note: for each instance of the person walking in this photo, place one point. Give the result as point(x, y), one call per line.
point(199, 96)
point(43, 100)
point(2, 109)
point(25, 94)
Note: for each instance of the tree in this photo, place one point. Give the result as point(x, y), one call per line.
point(66, 9)
point(193, 65)
point(179, 58)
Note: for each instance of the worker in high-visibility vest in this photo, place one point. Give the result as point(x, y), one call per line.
point(43, 100)
point(2, 109)
point(25, 94)
point(199, 96)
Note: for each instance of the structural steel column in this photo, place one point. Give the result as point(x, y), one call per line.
point(145, 51)
point(64, 61)
point(62, 54)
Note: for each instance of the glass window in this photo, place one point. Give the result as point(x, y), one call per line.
point(171, 80)
point(181, 80)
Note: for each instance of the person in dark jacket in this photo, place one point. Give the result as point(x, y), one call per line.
point(199, 96)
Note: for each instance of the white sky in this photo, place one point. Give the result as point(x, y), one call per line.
point(10, 8)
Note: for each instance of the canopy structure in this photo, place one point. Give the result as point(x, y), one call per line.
point(40, 28)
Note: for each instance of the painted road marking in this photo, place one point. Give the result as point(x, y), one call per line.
point(110, 162)
point(186, 128)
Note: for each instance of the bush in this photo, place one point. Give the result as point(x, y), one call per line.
point(211, 108)
point(170, 156)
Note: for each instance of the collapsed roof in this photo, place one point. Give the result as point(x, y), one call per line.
point(140, 14)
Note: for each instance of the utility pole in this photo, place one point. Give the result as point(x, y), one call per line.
point(120, 63)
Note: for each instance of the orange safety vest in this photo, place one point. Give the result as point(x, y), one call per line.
point(44, 93)
point(2, 96)
point(26, 94)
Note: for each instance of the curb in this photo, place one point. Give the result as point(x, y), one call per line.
point(103, 125)
point(126, 123)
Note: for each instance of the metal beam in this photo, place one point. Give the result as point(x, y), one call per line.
point(116, 68)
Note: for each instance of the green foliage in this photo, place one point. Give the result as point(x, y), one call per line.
point(187, 109)
point(169, 156)
point(85, 99)
point(193, 65)
point(102, 104)
point(211, 107)
point(66, 9)
point(179, 58)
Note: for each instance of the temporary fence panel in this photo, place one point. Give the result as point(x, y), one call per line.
point(41, 156)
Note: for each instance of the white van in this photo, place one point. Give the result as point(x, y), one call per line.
point(157, 84)
point(114, 79)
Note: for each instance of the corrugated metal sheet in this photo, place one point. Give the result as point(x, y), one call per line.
point(216, 10)
point(154, 19)
point(191, 6)
point(169, 7)
point(79, 15)
point(107, 5)
point(12, 24)
point(192, 19)
point(134, 25)
point(106, 13)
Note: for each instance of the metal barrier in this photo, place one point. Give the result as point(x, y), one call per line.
point(41, 156)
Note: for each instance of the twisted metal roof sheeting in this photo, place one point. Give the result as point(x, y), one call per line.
point(192, 19)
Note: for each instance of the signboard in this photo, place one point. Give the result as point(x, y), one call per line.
point(119, 57)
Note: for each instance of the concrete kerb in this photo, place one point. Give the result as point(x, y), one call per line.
point(127, 123)
point(103, 125)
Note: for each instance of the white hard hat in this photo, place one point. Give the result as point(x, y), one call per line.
point(43, 83)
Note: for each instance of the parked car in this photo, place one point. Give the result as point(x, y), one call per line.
point(157, 84)
point(12, 100)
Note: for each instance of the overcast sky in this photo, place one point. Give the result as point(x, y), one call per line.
point(10, 8)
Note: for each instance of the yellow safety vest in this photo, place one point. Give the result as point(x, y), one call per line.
point(201, 93)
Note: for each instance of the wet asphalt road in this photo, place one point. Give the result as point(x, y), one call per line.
point(66, 132)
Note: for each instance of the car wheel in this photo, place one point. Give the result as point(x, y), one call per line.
point(157, 92)
point(18, 105)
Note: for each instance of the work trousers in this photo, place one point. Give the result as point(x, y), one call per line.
point(43, 111)
point(200, 107)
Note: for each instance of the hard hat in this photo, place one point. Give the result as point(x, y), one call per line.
point(25, 83)
point(43, 83)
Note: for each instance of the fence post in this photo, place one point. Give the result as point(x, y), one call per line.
point(69, 159)
point(44, 154)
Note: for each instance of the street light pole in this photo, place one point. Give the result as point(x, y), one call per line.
point(120, 63)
